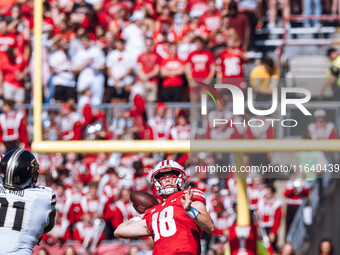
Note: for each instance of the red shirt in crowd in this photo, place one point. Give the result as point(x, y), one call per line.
point(7, 41)
point(270, 212)
point(148, 62)
point(240, 23)
point(173, 64)
point(200, 62)
point(71, 128)
point(295, 195)
point(200, 6)
point(118, 212)
point(212, 21)
point(230, 64)
point(13, 127)
point(11, 70)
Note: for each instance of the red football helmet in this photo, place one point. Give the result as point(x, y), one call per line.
point(168, 166)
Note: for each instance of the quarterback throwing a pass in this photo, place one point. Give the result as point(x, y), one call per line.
point(26, 211)
point(176, 224)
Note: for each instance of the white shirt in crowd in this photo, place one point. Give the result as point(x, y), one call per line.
point(64, 77)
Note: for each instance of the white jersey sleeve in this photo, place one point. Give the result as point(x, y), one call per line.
point(23, 216)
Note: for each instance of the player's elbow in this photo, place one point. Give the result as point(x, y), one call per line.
point(118, 233)
point(211, 228)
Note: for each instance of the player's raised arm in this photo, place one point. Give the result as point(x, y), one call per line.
point(197, 211)
point(132, 229)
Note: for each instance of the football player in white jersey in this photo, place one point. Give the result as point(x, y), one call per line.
point(26, 211)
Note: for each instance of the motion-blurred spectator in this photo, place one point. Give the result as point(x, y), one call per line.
point(61, 199)
point(333, 72)
point(89, 64)
point(229, 65)
point(86, 229)
point(86, 111)
point(240, 23)
point(223, 218)
point(197, 7)
point(287, 249)
point(119, 65)
point(76, 167)
point(326, 247)
point(312, 7)
point(148, 70)
point(296, 191)
point(90, 202)
point(186, 45)
point(221, 211)
point(263, 78)
point(70, 250)
point(119, 211)
point(165, 30)
point(140, 177)
point(13, 128)
point(7, 39)
point(160, 124)
point(172, 70)
point(138, 112)
point(111, 189)
point(99, 167)
point(200, 65)
point(82, 14)
point(270, 212)
point(133, 35)
point(13, 70)
point(321, 129)
point(73, 209)
point(62, 77)
point(182, 129)
point(43, 251)
point(70, 125)
point(256, 191)
point(273, 9)
point(196, 27)
point(212, 17)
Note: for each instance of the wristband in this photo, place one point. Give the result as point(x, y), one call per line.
point(193, 212)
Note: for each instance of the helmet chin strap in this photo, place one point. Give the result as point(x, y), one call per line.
point(166, 191)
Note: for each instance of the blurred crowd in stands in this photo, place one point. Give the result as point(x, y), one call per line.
point(139, 52)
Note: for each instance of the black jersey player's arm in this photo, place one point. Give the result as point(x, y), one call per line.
point(132, 229)
point(203, 219)
point(50, 225)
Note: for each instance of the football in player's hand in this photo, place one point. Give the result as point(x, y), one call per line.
point(142, 200)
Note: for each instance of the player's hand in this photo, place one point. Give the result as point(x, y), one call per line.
point(186, 200)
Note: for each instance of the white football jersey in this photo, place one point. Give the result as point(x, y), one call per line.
point(23, 216)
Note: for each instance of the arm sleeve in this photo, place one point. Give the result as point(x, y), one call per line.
point(53, 201)
point(198, 195)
